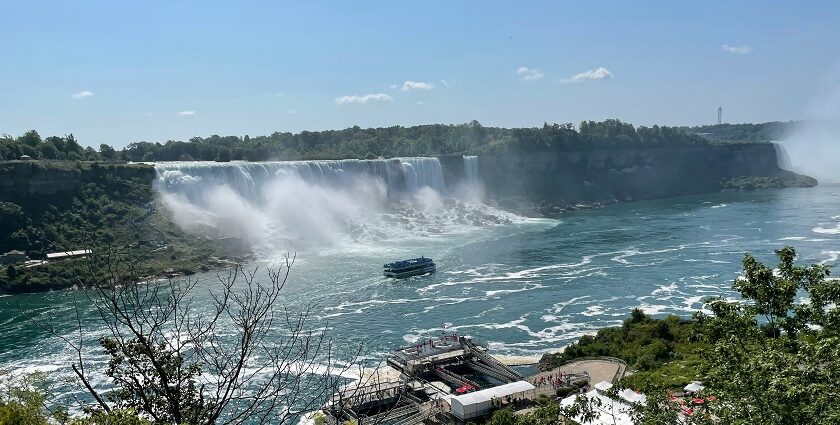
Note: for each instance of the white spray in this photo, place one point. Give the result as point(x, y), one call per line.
point(814, 145)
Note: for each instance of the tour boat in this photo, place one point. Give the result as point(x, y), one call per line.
point(411, 267)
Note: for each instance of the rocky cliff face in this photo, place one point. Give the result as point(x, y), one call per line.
point(564, 179)
point(27, 179)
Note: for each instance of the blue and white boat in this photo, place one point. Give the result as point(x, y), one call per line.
point(410, 267)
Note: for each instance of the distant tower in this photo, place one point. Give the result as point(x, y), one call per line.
point(720, 114)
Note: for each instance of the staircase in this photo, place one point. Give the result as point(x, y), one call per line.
point(453, 377)
point(500, 368)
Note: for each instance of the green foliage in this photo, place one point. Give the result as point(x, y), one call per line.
point(766, 358)
point(359, 143)
point(764, 132)
point(23, 403)
point(115, 417)
point(545, 414)
point(51, 148)
point(113, 208)
point(776, 361)
point(423, 140)
point(665, 351)
point(153, 359)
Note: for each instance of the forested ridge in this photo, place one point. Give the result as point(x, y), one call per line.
point(360, 143)
point(764, 132)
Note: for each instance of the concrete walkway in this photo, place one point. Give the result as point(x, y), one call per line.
point(598, 369)
point(603, 369)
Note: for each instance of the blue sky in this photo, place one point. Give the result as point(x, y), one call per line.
point(117, 72)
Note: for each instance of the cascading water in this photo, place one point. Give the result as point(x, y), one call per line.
point(303, 204)
point(782, 157)
point(471, 169)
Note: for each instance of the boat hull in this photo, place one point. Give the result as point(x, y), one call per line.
point(398, 274)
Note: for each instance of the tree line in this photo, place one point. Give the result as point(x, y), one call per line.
point(360, 143)
point(764, 132)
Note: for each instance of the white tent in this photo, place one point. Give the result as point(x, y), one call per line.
point(603, 386)
point(631, 396)
point(609, 412)
point(473, 405)
point(693, 387)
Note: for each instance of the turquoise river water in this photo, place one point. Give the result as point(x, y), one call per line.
point(523, 287)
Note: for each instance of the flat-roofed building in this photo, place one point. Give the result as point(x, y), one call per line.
point(476, 404)
point(58, 256)
point(13, 257)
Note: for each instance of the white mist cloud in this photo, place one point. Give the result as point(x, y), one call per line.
point(814, 145)
point(363, 99)
point(416, 85)
point(529, 74)
point(186, 113)
point(83, 94)
point(737, 50)
point(284, 211)
point(590, 75)
point(445, 83)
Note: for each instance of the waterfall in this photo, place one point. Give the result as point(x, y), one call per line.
point(421, 172)
point(471, 169)
point(303, 204)
point(400, 176)
point(782, 158)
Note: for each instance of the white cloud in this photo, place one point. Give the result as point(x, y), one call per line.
point(83, 94)
point(416, 85)
point(291, 111)
point(738, 50)
point(445, 83)
point(373, 97)
point(529, 74)
point(419, 102)
point(186, 113)
point(593, 74)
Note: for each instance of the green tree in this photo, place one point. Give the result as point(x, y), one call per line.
point(766, 358)
point(107, 152)
point(223, 155)
point(775, 361)
point(22, 403)
point(48, 150)
point(31, 138)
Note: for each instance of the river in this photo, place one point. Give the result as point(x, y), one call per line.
point(522, 286)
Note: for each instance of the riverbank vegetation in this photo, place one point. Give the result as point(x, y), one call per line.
point(60, 206)
point(666, 351)
point(786, 179)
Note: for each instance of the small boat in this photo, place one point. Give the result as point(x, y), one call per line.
point(410, 267)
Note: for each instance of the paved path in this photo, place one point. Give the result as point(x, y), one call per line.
point(597, 369)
